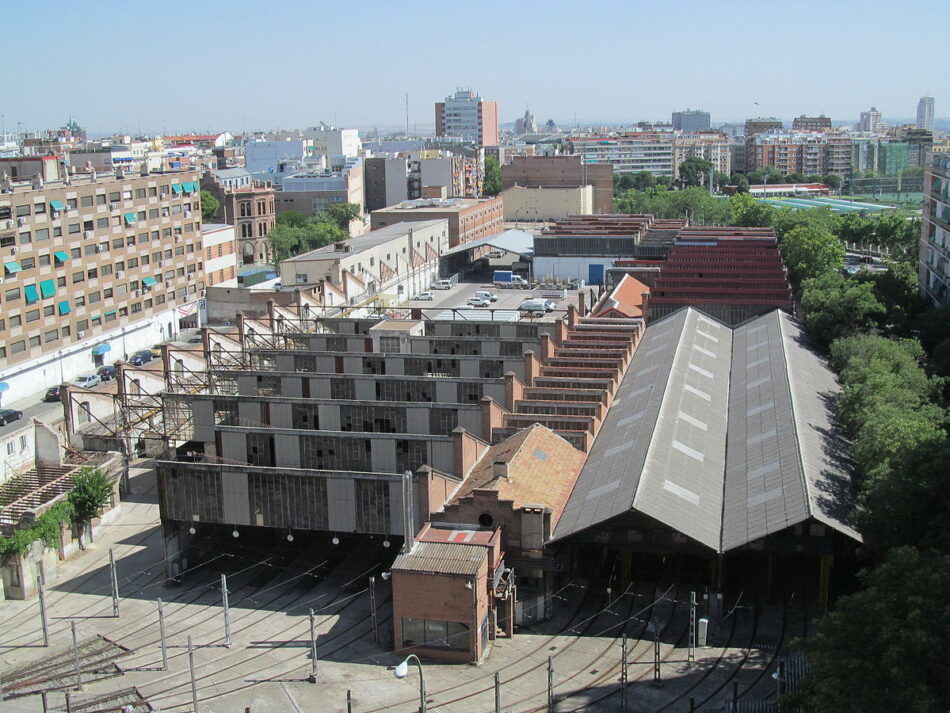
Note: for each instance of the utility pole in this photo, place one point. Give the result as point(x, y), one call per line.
point(41, 589)
point(623, 675)
point(497, 694)
point(115, 584)
point(312, 678)
point(372, 608)
point(349, 701)
point(194, 684)
point(657, 681)
point(227, 612)
point(161, 633)
point(72, 626)
point(550, 685)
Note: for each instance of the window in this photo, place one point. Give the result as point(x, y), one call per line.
point(51, 336)
point(22, 211)
point(105, 270)
point(18, 347)
point(75, 253)
point(34, 341)
point(152, 191)
point(82, 325)
point(140, 193)
point(114, 197)
point(44, 260)
point(74, 228)
point(15, 320)
point(49, 311)
point(32, 316)
point(102, 223)
point(25, 238)
point(86, 201)
point(90, 250)
point(71, 204)
point(93, 297)
point(92, 273)
point(133, 262)
point(27, 263)
point(107, 293)
point(117, 243)
point(12, 295)
point(101, 199)
point(61, 281)
point(41, 234)
point(434, 634)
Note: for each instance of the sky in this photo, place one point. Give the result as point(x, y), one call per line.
point(211, 65)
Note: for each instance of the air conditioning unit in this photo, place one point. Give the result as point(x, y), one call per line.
point(98, 249)
point(113, 206)
point(21, 221)
point(80, 335)
point(9, 224)
point(89, 234)
point(168, 283)
point(13, 250)
point(177, 238)
point(161, 263)
point(119, 274)
point(135, 293)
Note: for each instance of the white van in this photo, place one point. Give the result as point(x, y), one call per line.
point(486, 295)
point(496, 253)
point(534, 306)
point(442, 285)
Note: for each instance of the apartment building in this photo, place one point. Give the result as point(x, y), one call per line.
point(811, 123)
point(788, 151)
point(934, 264)
point(220, 254)
point(93, 269)
point(561, 172)
point(390, 180)
point(392, 264)
point(690, 121)
point(925, 114)
point(651, 152)
point(247, 204)
point(713, 147)
point(469, 218)
point(311, 191)
point(466, 116)
point(761, 125)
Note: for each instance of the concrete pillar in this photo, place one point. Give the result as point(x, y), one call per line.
point(514, 390)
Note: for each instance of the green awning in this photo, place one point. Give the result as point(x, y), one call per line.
point(129, 218)
point(61, 255)
point(176, 188)
point(12, 267)
point(31, 294)
point(48, 288)
point(64, 307)
point(186, 186)
point(149, 281)
point(111, 311)
point(57, 205)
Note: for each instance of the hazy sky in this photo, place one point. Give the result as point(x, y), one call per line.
point(202, 64)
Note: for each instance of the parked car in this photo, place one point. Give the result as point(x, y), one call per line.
point(442, 285)
point(8, 414)
point(551, 305)
point(423, 296)
point(155, 350)
point(87, 381)
point(478, 302)
point(106, 373)
point(141, 357)
point(486, 295)
point(52, 393)
point(496, 253)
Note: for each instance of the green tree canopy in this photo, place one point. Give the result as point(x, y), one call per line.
point(209, 206)
point(292, 219)
point(693, 171)
point(809, 252)
point(881, 650)
point(832, 180)
point(491, 185)
point(91, 492)
point(835, 306)
point(343, 213)
point(747, 212)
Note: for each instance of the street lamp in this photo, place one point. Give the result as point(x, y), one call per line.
point(402, 670)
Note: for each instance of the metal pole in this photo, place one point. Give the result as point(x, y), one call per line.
point(194, 684)
point(623, 674)
point(41, 588)
point(45, 702)
point(69, 704)
point(312, 678)
point(115, 584)
point(497, 694)
point(161, 633)
point(550, 685)
point(692, 704)
point(656, 657)
point(691, 654)
point(372, 608)
point(735, 697)
point(72, 625)
point(349, 701)
point(227, 613)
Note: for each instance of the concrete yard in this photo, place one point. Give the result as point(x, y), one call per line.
point(267, 666)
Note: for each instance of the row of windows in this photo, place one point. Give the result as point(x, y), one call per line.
point(41, 234)
point(39, 208)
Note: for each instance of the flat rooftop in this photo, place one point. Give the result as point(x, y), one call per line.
point(367, 241)
point(424, 204)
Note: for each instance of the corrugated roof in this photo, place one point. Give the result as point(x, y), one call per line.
point(512, 240)
point(441, 558)
point(724, 435)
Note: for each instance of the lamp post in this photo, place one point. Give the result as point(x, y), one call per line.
point(402, 670)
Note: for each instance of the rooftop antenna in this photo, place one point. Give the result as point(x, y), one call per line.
point(407, 115)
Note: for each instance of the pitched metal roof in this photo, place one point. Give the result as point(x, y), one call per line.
point(723, 435)
point(442, 558)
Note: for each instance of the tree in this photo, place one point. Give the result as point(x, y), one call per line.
point(881, 649)
point(832, 181)
point(343, 213)
point(836, 306)
point(786, 219)
point(720, 179)
point(292, 219)
point(209, 206)
point(796, 178)
point(693, 171)
point(91, 492)
point(898, 289)
point(491, 185)
point(284, 242)
point(747, 212)
point(808, 252)
point(643, 180)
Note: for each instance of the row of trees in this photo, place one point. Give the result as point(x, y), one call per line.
point(694, 171)
point(879, 649)
point(294, 233)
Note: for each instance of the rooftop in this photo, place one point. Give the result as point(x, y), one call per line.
point(424, 204)
point(441, 558)
point(367, 241)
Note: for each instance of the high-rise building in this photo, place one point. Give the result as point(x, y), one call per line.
point(871, 120)
point(934, 267)
point(925, 113)
point(691, 120)
point(468, 117)
point(761, 125)
point(93, 270)
point(811, 123)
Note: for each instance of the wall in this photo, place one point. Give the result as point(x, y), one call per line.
point(547, 203)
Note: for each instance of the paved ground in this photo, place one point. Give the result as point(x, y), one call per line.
point(266, 667)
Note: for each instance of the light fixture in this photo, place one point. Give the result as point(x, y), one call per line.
point(386, 543)
point(290, 537)
point(335, 540)
point(468, 584)
point(386, 575)
point(191, 530)
point(402, 669)
point(235, 533)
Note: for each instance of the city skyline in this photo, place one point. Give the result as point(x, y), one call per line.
point(720, 65)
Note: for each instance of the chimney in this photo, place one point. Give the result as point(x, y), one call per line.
point(499, 469)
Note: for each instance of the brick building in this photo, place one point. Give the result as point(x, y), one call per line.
point(248, 205)
point(469, 218)
point(811, 123)
point(561, 172)
point(220, 253)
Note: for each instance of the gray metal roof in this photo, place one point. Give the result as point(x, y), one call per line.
point(512, 240)
point(441, 558)
point(723, 435)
